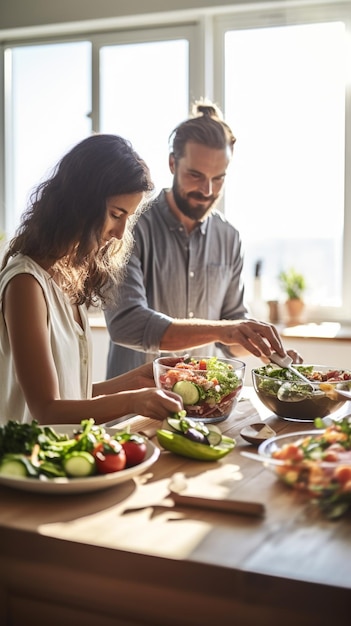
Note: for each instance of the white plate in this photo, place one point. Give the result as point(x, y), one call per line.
point(81, 485)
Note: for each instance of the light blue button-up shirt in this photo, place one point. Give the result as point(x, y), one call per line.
point(173, 274)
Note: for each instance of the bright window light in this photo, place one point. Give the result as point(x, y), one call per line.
point(285, 100)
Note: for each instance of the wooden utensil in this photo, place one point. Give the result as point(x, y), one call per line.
point(178, 485)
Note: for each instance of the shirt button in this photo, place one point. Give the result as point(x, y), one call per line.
point(191, 314)
point(191, 274)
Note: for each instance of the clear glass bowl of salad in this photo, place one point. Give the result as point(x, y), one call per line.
point(290, 398)
point(209, 386)
point(315, 462)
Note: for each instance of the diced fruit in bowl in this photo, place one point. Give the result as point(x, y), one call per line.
point(209, 386)
point(193, 439)
point(317, 462)
point(281, 391)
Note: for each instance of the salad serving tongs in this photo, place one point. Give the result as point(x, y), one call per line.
point(289, 391)
point(287, 361)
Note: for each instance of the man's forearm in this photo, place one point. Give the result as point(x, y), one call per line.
point(185, 334)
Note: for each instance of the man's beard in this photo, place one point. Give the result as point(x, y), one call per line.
point(195, 212)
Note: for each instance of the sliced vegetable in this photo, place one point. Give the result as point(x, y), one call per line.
point(197, 431)
point(209, 387)
point(17, 465)
point(188, 391)
point(79, 464)
point(31, 450)
point(214, 438)
point(194, 440)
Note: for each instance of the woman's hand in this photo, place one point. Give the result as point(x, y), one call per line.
point(155, 403)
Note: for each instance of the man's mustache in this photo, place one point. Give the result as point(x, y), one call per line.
point(198, 196)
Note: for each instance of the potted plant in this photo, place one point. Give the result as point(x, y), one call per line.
point(293, 284)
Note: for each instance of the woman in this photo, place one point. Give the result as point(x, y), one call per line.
point(74, 239)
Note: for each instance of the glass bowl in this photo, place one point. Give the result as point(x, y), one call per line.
point(209, 386)
point(316, 462)
point(303, 404)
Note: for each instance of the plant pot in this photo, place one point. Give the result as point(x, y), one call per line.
point(294, 308)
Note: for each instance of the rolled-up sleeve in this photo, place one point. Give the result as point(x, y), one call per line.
point(130, 321)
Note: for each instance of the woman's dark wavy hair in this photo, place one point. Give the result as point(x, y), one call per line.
point(206, 127)
point(66, 213)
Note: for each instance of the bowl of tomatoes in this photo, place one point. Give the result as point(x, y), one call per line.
point(210, 387)
point(316, 462)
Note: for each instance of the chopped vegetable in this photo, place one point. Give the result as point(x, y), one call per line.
point(79, 464)
point(34, 451)
point(208, 387)
point(320, 464)
point(273, 376)
point(194, 440)
point(17, 465)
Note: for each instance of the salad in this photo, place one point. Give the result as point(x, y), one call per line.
point(34, 451)
point(208, 386)
point(273, 376)
point(320, 463)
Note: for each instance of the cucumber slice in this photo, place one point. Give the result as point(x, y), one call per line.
point(188, 391)
point(79, 464)
point(17, 465)
point(174, 424)
point(214, 438)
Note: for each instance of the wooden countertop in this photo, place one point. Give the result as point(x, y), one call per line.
point(126, 556)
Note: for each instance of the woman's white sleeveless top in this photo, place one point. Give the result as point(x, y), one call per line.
point(71, 345)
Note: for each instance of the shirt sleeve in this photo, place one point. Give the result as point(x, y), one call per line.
point(130, 321)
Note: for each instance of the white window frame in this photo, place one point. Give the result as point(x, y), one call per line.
point(205, 29)
point(293, 13)
point(189, 30)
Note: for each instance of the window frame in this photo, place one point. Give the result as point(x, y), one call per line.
point(282, 15)
point(205, 30)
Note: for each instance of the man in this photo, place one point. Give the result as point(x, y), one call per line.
point(183, 289)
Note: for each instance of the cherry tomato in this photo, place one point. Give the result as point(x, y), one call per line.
point(109, 457)
point(135, 449)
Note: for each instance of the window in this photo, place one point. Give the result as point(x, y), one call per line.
point(47, 111)
point(141, 108)
point(50, 93)
point(281, 73)
point(286, 98)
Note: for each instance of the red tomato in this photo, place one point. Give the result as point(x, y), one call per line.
point(342, 474)
point(135, 450)
point(289, 452)
point(109, 457)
